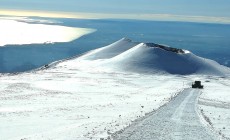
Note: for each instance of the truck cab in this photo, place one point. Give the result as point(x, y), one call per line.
point(197, 84)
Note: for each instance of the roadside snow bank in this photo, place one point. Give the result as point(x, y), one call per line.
point(214, 103)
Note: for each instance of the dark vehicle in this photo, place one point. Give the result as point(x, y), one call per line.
point(197, 84)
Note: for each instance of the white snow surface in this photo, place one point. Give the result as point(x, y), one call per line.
point(92, 96)
point(13, 32)
point(68, 103)
point(215, 103)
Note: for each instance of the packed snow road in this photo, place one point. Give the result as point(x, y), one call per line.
point(176, 120)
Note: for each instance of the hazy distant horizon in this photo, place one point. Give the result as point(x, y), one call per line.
point(214, 11)
point(151, 17)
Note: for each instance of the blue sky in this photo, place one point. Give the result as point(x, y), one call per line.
point(213, 8)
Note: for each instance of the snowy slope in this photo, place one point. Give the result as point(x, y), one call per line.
point(80, 99)
point(111, 50)
point(151, 58)
point(66, 103)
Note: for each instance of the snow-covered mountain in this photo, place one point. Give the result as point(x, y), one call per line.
point(152, 58)
point(79, 99)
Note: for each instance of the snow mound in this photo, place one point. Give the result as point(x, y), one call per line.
point(127, 55)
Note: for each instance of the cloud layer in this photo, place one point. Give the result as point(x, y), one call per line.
point(159, 17)
point(14, 32)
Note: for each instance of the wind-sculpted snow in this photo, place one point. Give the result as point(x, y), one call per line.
point(126, 55)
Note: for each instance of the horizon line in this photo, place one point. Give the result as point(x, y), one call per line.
point(134, 16)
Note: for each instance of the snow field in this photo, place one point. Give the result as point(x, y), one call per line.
point(92, 96)
point(71, 104)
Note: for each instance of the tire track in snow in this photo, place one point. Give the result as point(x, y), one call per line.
point(176, 120)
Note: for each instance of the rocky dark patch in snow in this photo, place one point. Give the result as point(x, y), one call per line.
point(167, 48)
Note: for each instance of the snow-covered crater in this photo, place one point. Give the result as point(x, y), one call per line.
point(126, 55)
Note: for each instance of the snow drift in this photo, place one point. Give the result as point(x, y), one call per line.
point(152, 58)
